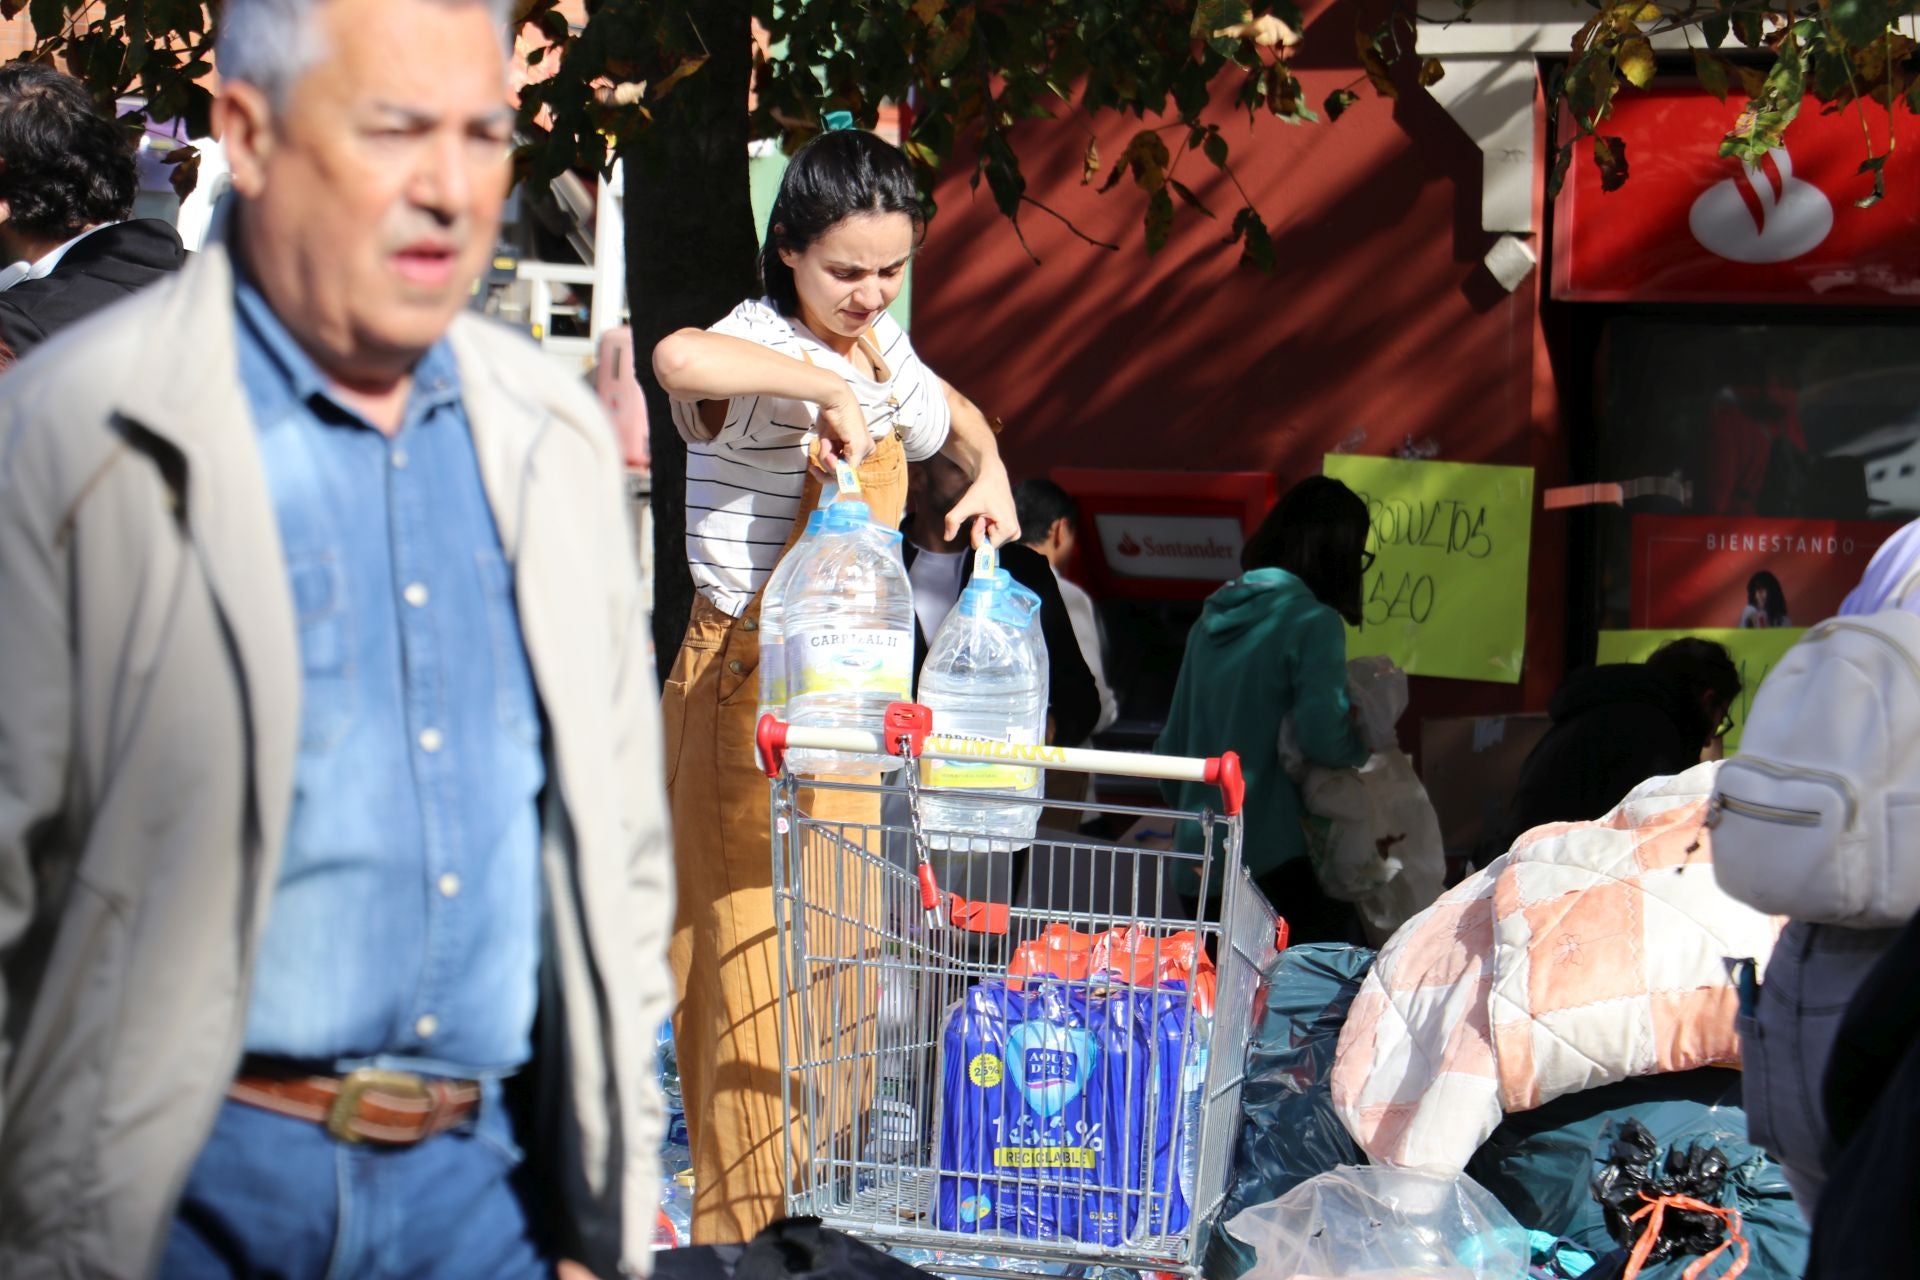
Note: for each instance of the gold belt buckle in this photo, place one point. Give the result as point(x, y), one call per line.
point(356, 1084)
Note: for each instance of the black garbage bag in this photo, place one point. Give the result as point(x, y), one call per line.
point(790, 1249)
point(1634, 1175)
point(1290, 1131)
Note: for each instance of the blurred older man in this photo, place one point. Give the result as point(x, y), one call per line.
point(333, 862)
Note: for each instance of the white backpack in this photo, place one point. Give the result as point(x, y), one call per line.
point(1818, 817)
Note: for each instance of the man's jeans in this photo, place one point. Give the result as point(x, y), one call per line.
point(274, 1198)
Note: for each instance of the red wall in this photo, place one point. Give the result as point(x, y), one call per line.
point(1380, 325)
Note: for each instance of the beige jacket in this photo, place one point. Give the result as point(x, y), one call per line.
point(149, 689)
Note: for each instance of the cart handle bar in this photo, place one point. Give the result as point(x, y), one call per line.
point(915, 723)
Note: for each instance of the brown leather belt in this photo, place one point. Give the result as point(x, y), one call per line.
point(369, 1105)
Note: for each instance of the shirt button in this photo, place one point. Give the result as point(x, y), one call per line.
point(431, 740)
point(399, 459)
point(426, 1026)
point(738, 667)
point(416, 594)
point(750, 626)
point(449, 885)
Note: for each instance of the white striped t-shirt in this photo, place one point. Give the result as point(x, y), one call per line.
point(743, 486)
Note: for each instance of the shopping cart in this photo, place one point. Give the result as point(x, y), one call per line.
point(945, 1030)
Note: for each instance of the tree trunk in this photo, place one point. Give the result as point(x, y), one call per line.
point(690, 258)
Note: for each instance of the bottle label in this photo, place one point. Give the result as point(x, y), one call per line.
point(985, 774)
point(853, 660)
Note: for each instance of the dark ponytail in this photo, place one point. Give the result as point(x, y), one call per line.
point(837, 175)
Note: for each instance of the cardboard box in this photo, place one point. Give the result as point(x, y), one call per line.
point(1471, 765)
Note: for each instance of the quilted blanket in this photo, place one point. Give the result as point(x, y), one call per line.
point(1591, 952)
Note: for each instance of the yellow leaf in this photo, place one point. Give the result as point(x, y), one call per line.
point(686, 68)
point(1636, 62)
point(928, 10)
point(1090, 163)
point(1431, 73)
point(1265, 30)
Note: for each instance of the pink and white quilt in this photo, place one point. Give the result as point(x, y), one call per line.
point(1591, 952)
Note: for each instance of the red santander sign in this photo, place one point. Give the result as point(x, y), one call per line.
point(1691, 226)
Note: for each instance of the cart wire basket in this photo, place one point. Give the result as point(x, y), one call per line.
point(998, 1059)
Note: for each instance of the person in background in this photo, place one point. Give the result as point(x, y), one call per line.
point(333, 852)
point(1049, 524)
point(67, 183)
point(1268, 647)
point(815, 365)
point(1816, 969)
point(1616, 726)
point(1766, 603)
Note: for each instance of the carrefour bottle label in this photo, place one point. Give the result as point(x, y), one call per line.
point(993, 771)
point(852, 660)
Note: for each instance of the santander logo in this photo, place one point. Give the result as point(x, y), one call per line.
point(1751, 219)
point(1127, 546)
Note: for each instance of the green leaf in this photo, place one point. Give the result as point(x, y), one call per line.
point(951, 50)
point(1610, 154)
point(1557, 175)
point(1187, 197)
point(1210, 16)
point(1159, 220)
point(1003, 174)
point(1215, 148)
point(1374, 65)
point(1749, 29)
point(1861, 22)
point(1713, 74)
point(1877, 166)
point(1256, 246)
point(1338, 101)
point(1714, 30)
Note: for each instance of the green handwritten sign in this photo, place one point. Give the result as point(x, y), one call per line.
point(1755, 652)
point(1447, 592)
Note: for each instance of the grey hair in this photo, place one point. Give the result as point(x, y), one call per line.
point(270, 44)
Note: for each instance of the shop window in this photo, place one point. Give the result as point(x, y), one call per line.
point(1799, 441)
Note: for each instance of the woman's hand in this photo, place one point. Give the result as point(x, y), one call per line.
point(842, 431)
point(989, 497)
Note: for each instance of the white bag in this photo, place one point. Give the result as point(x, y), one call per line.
point(1818, 817)
point(1406, 830)
point(1366, 1223)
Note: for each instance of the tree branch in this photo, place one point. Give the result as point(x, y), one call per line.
point(1066, 222)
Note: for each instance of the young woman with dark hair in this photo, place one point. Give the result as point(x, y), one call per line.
point(766, 399)
point(1766, 603)
point(1269, 646)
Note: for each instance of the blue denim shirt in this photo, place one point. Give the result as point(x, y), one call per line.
point(404, 931)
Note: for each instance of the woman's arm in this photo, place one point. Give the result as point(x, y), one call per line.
point(972, 447)
point(710, 369)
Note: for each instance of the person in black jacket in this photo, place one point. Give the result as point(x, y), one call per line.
point(67, 183)
point(1616, 726)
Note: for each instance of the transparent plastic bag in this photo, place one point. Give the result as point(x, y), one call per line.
point(1376, 1223)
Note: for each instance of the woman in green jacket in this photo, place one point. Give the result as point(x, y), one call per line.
point(1268, 646)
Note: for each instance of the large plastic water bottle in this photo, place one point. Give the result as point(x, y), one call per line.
point(773, 651)
point(847, 627)
point(986, 680)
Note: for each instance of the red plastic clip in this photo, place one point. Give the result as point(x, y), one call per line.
point(771, 739)
point(907, 720)
point(1223, 771)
